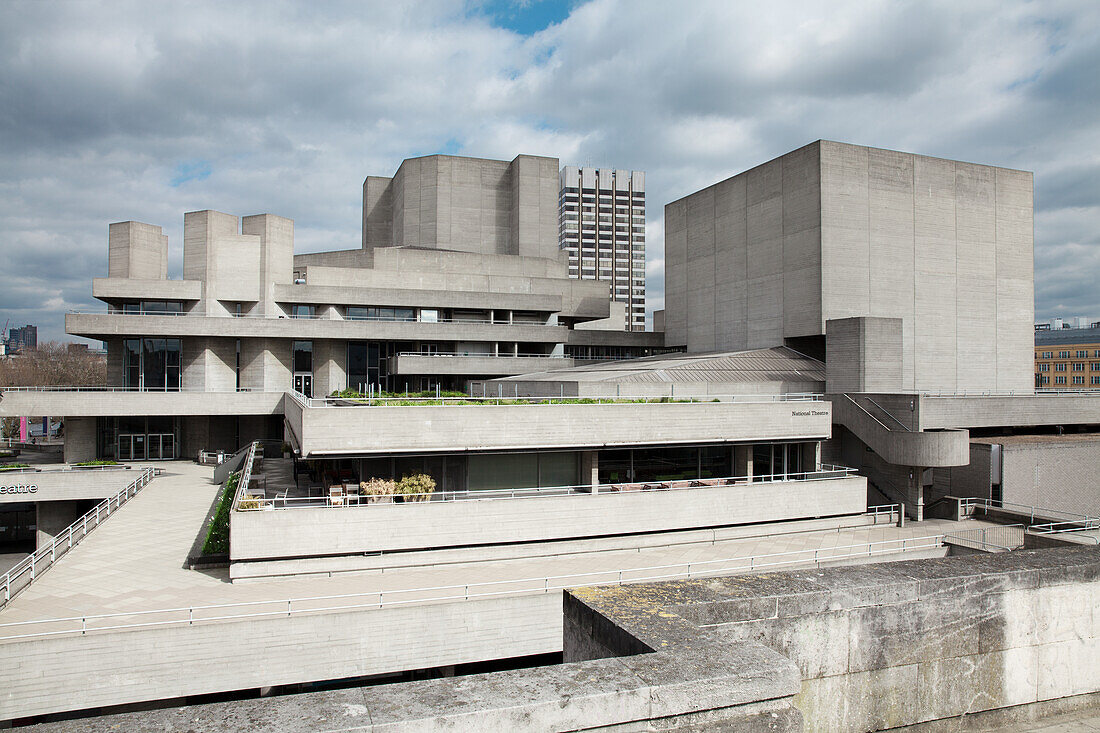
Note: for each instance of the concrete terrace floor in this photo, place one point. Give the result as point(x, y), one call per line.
point(135, 562)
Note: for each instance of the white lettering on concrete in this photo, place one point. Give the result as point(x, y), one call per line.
point(19, 489)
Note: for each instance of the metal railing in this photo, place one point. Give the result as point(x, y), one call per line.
point(321, 317)
point(560, 400)
point(347, 500)
point(1071, 527)
point(32, 566)
point(246, 476)
point(289, 607)
point(989, 539)
point(134, 390)
point(1024, 509)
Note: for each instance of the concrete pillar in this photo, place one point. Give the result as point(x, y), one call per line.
point(53, 517)
point(742, 461)
point(811, 457)
point(590, 469)
point(79, 439)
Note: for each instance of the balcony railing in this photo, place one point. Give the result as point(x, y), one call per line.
point(505, 400)
point(322, 317)
point(348, 497)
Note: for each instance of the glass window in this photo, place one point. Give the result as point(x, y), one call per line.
point(357, 313)
point(301, 311)
point(1079, 366)
point(1078, 380)
point(429, 315)
point(151, 364)
point(1083, 354)
point(1059, 380)
point(301, 357)
point(404, 314)
point(1059, 367)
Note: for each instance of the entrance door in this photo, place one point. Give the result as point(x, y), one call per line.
point(131, 447)
point(304, 383)
point(161, 447)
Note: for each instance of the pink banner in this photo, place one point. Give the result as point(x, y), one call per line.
point(22, 430)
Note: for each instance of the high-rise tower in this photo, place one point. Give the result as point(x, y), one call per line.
point(602, 226)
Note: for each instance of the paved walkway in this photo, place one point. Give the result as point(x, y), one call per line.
point(136, 562)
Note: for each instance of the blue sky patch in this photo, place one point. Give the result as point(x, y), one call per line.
point(526, 17)
point(190, 170)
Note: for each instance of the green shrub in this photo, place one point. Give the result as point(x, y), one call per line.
point(217, 535)
point(10, 466)
point(418, 487)
point(97, 463)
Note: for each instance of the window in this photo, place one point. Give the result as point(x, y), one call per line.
point(154, 307)
point(1059, 367)
point(1083, 354)
point(1059, 380)
point(1094, 380)
point(429, 315)
point(301, 311)
point(1078, 380)
point(1095, 366)
point(151, 364)
point(1048, 354)
point(1044, 380)
point(1044, 367)
point(301, 356)
point(372, 313)
point(1063, 354)
point(1078, 366)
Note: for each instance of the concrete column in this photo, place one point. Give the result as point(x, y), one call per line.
point(53, 517)
point(742, 461)
point(811, 457)
point(590, 469)
point(79, 439)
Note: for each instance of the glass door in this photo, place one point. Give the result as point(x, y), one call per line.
point(303, 383)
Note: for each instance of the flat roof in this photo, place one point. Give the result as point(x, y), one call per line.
point(778, 364)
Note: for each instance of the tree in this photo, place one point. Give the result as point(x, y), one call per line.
point(54, 365)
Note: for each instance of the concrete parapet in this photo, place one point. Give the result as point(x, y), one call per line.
point(370, 528)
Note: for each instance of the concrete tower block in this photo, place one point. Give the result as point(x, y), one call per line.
point(863, 355)
point(136, 250)
point(276, 235)
point(200, 230)
point(534, 199)
point(377, 212)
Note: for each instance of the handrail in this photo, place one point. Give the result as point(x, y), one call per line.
point(545, 584)
point(1031, 511)
point(889, 414)
point(623, 487)
point(246, 476)
point(289, 317)
point(65, 540)
point(1002, 532)
point(134, 390)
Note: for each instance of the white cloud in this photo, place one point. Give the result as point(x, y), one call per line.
point(288, 106)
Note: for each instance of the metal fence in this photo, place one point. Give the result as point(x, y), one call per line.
point(24, 573)
point(349, 496)
point(989, 539)
point(517, 399)
point(289, 607)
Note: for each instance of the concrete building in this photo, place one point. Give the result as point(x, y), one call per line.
point(22, 339)
point(458, 277)
point(1068, 358)
point(834, 231)
point(602, 228)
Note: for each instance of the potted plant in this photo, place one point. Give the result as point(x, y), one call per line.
point(418, 487)
point(378, 490)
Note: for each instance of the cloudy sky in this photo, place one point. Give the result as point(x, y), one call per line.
point(144, 110)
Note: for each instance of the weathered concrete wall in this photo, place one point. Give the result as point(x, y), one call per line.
point(80, 437)
point(897, 644)
point(975, 411)
point(862, 355)
point(1053, 475)
point(326, 430)
point(137, 250)
point(259, 535)
point(53, 517)
point(63, 485)
point(88, 405)
point(111, 668)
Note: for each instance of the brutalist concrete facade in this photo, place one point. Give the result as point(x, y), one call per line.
point(459, 276)
point(832, 231)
